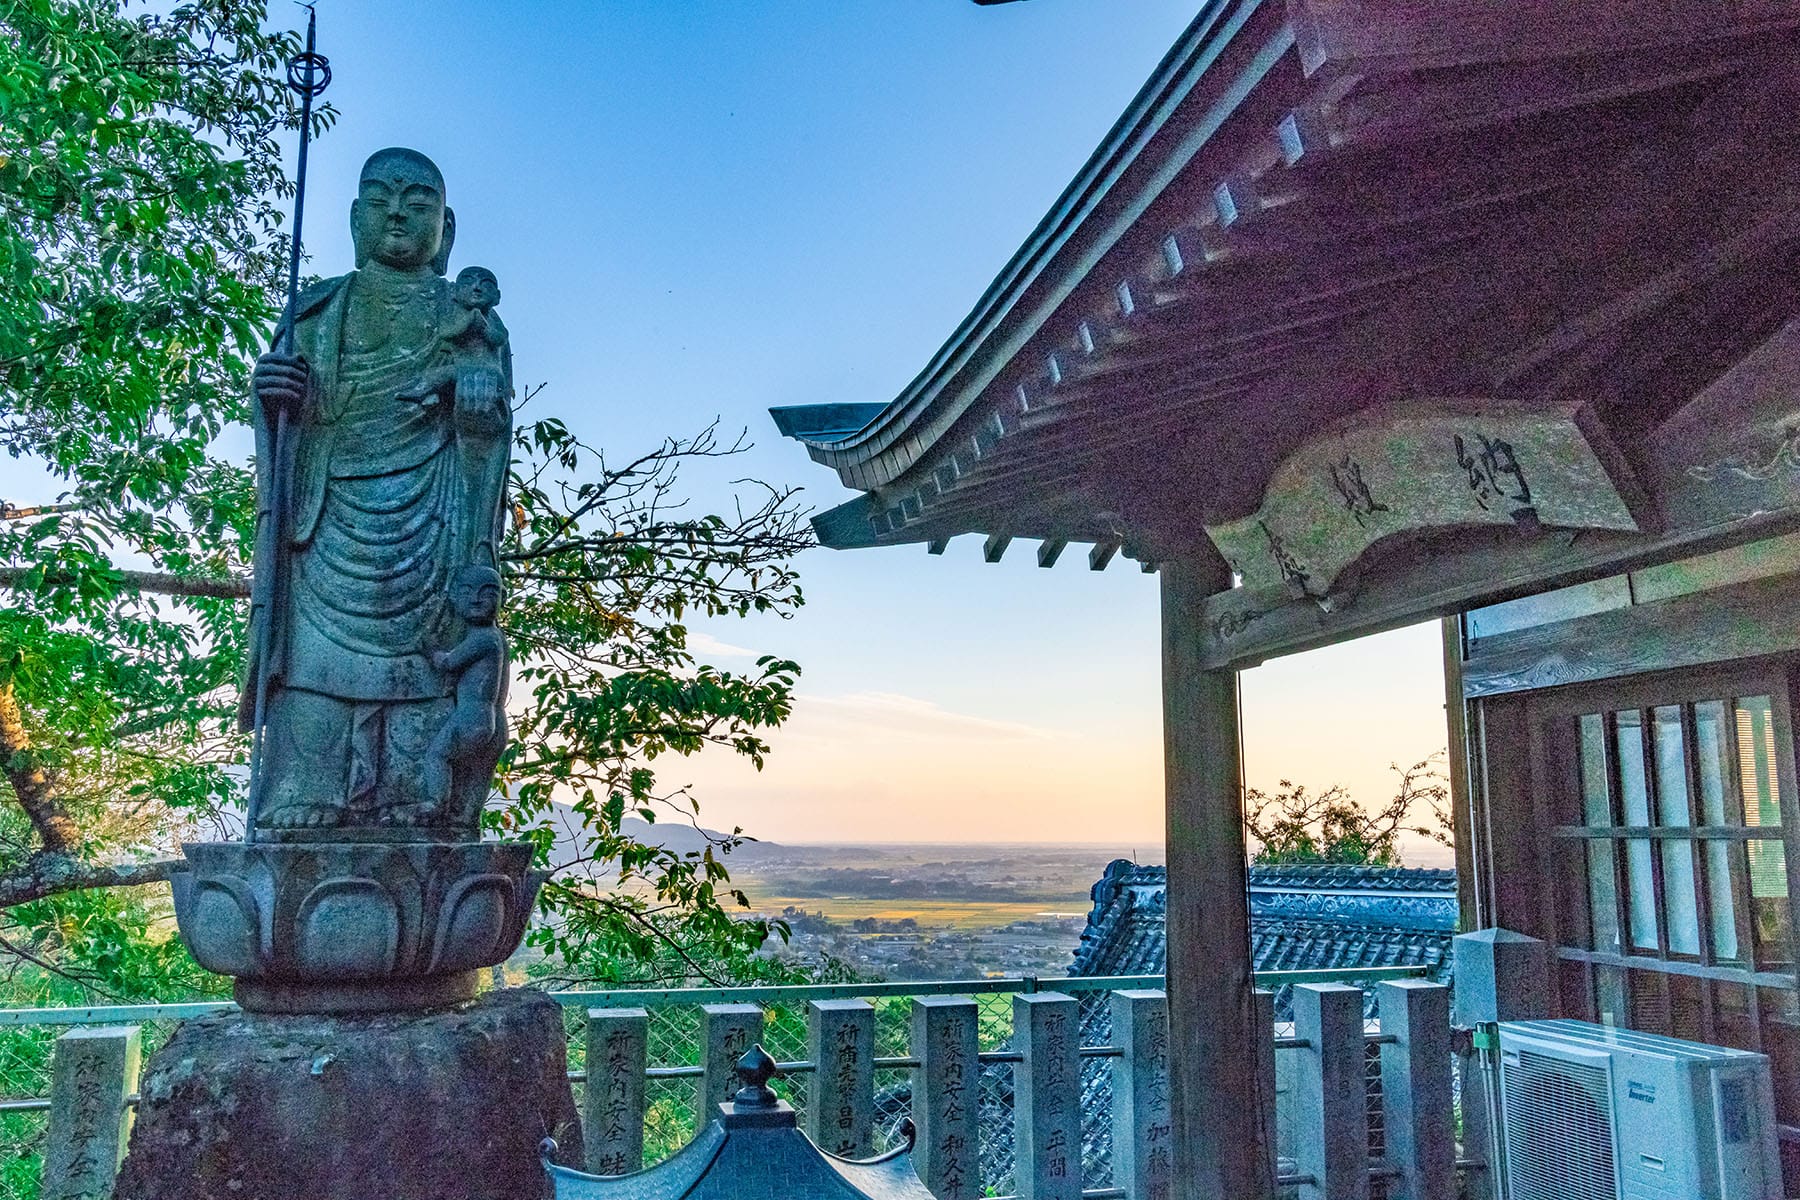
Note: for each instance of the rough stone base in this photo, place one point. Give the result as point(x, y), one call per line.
point(443, 1105)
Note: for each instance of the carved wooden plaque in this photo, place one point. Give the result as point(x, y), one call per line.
point(1432, 465)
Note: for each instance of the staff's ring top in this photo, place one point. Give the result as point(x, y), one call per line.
point(309, 73)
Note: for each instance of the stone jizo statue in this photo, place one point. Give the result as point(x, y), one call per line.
point(385, 695)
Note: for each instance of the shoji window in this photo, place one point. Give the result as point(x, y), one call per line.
point(1678, 902)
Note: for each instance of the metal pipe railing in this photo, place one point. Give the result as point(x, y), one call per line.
point(787, 993)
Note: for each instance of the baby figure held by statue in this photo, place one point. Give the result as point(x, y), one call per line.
point(470, 373)
point(459, 764)
point(474, 337)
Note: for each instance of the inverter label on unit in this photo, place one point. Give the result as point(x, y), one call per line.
point(1641, 1091)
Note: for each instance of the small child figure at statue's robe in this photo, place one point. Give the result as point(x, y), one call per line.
point(459, 764)
point(473, 336)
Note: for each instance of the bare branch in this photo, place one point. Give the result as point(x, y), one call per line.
point(1294, 825)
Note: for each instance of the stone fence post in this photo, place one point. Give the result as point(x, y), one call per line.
point(612, 1106)
point(1417, 1121)
point(92, 1073)
point(1143, 1159)
point(1500, 976)
point(947, 1095)
point(840, 1101)
point(1263, 1003)
point(1331, 1100)
point(727, 1031)
point(1047, 1096)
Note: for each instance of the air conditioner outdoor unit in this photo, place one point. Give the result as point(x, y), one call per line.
point(1594, 1113)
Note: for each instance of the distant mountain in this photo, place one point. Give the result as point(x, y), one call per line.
point(675, 835)
point(683, 838)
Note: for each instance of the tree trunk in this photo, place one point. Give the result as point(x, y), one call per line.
point(31, 783)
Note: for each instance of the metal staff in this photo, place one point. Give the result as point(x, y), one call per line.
point(307, 74)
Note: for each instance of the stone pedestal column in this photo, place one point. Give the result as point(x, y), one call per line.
point(450, 1102)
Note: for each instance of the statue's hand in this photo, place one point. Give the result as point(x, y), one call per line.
point(479, 403)
point(280, 384)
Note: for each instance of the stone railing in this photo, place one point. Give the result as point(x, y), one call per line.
point(1040, 1089)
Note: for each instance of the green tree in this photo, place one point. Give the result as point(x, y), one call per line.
point(603, 571)
point(141, 264)
point(1292, 825)
point(139, 242)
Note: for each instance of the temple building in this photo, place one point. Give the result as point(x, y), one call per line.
point(1366, 314)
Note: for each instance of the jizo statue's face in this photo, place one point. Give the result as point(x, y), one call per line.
point(478, 289)
point(398, 215)
point(476, 600)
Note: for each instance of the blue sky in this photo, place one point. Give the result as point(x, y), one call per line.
point(703, 208)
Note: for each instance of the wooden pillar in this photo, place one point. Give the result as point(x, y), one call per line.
point(1456, 727)
point(1213, 1068)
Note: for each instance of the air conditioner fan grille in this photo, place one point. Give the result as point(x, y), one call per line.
point(1559, 1129)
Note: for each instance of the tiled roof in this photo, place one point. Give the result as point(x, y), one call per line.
point(1301, 918)
point(1314, 876)
point(1279, 944)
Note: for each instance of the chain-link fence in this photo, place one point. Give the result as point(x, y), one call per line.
point(24, 1076)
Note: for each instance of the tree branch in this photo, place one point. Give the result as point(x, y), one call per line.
point(31, 783)
point(47, 874)
point(235, 587)
point(20, 952)
point(13, 512)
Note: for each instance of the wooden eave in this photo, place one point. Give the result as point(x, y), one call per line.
point(1319, 208)
point(1124, 173)
point(1222, 55)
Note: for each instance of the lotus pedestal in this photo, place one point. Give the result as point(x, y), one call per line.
point(353, 926)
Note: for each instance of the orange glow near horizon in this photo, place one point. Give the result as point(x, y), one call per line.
point(884, 767)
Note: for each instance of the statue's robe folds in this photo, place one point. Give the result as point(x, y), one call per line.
point(384, 500)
